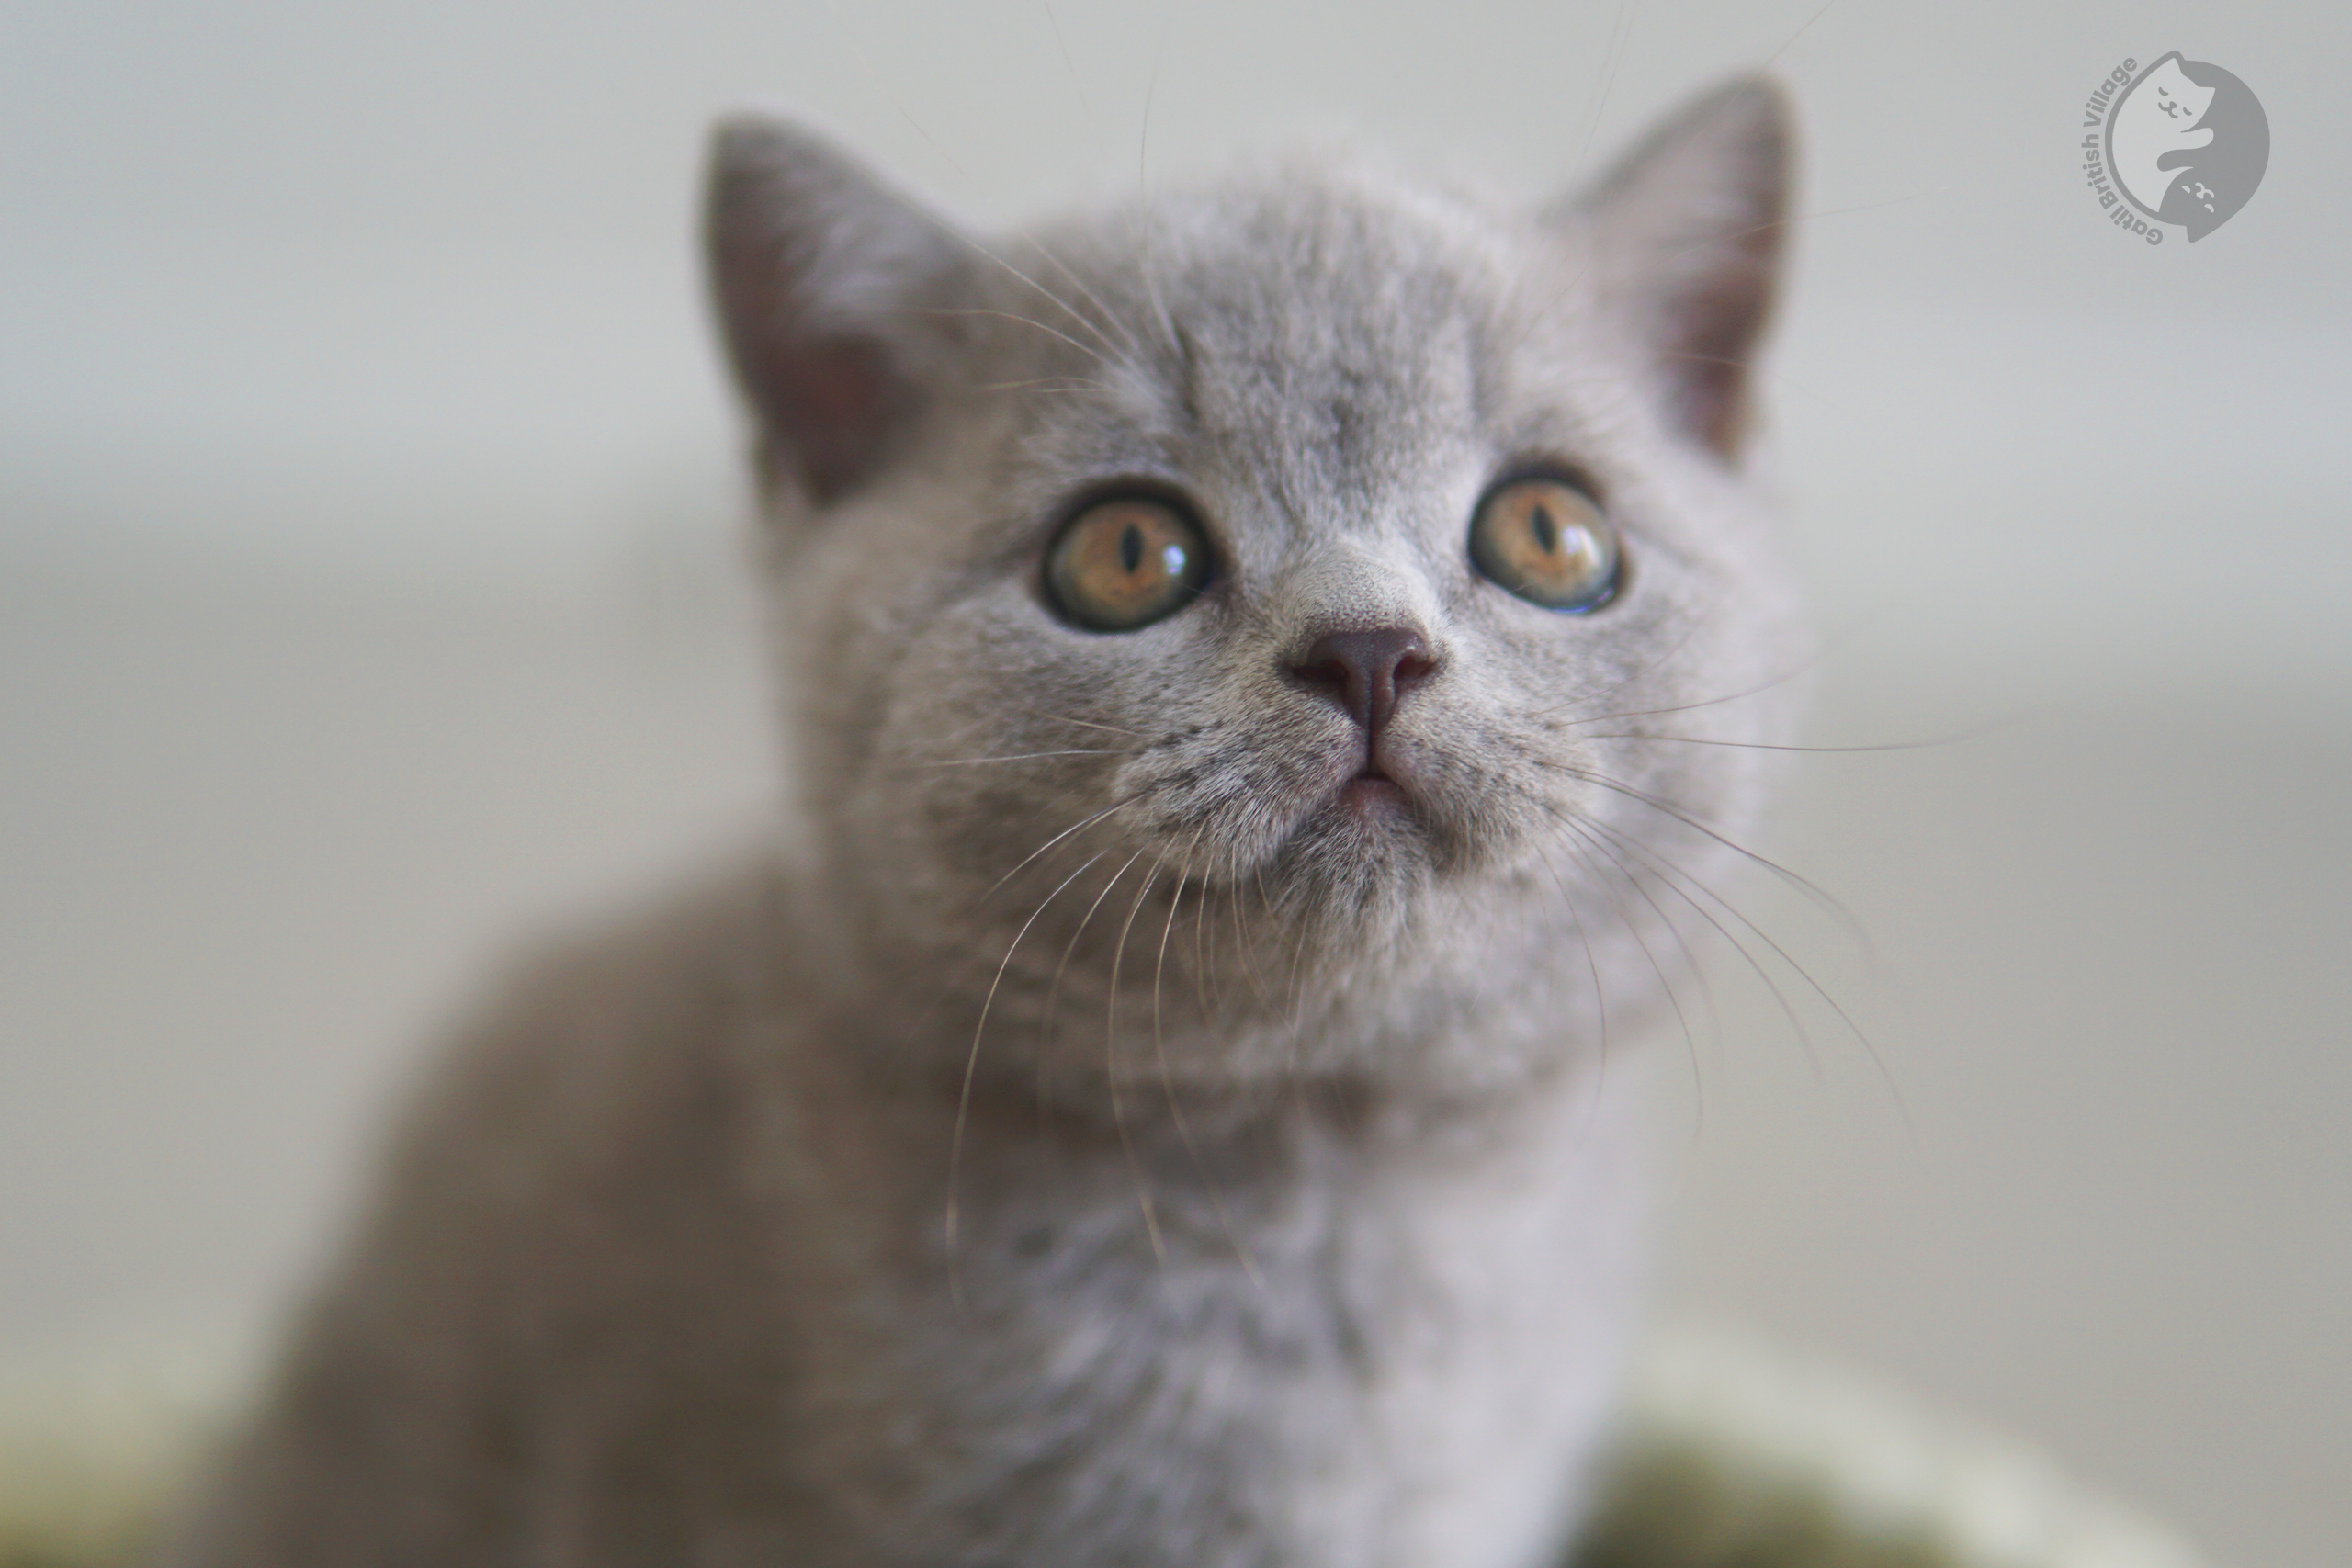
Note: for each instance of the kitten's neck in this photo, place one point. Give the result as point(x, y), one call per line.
point(1343, 1287)
point(992, 1017)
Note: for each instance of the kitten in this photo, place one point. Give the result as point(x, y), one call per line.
point(1154, 1104)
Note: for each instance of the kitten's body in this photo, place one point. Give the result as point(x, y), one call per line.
point(1102, 1134)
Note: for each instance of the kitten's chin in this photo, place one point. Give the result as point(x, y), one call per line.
point(1373, 800)
point(1378, 823)
point(1351, 868)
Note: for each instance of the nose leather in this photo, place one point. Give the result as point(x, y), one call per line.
point(1365, 674)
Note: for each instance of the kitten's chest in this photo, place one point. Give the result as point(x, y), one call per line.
point(1403, 1388)
point(1361, 1362)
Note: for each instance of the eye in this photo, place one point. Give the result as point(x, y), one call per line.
point(1126, 563)
point(1548, 542)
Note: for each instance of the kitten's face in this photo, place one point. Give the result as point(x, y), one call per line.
point(1341, 777)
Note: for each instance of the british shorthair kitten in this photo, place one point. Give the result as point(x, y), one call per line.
point(1156, 1100)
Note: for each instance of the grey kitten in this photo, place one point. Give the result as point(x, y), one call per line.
point(1153, 1104)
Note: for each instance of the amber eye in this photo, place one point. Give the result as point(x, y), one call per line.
point(1547, 542)
point(1122, 564)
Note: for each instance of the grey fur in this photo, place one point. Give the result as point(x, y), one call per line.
point(1078, 1141)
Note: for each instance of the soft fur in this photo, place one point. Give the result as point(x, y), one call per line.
point(1084, 1139)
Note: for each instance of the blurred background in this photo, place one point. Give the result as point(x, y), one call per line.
point(370, 510)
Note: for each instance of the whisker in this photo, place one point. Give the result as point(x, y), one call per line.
point(1203, 949)
point(1175, 1107)
point(1073, 390)
point(1023, 756)
point(1673, 650)
point(1878, 1061)
point(881, 84)
point(1673, 998)
point(971, 1068)
point(1780, 680)
point(1241, 941)
point(1111, 1071)
point(1054, 990)
point(1050, 843)
point(1599, 996)
point(1608, 80)
point(1769, 746)
point(1690, 963)
point(1977, 733)
point(1297, 989)
point(1118, 354)
point(1055, 383)
point(1014, 316)
point(1134, 343)
point(1813, 890)
point(1055, 23)
point(1788, 1008)
point(1081, 723)
point(1143, 182)
point(1787, 43)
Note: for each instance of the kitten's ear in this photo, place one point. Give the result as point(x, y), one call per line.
point(1687, 234)
point(820, 274)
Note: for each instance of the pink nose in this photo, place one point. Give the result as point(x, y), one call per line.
point(1366, 673)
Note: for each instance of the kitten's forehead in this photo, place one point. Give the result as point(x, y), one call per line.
point(1304, 336)
point(1309, 265)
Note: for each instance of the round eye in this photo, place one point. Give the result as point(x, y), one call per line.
point(1122, 564)
point(1546, 542)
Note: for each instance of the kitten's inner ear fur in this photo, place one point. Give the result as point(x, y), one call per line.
point(1688, 231)
point(829, 286)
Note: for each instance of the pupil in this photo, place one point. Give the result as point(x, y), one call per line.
point(1547, 533)
point(1131, 548)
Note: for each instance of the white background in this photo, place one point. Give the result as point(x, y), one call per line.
point(367, 502)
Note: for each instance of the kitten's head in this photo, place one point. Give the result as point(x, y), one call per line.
point(1233, 626)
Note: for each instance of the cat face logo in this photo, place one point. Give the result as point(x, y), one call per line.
point(2186, 143)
